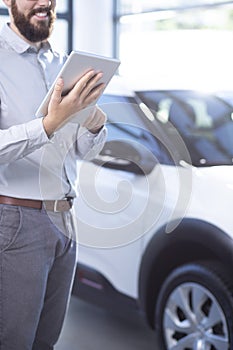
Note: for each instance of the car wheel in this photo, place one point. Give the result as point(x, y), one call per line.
point(195, 309)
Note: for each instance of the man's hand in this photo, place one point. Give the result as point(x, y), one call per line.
point(95, 121)
point(60, 108)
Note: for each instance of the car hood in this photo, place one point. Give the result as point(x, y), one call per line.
point(222, 174)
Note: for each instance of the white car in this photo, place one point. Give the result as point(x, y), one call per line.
point(155, 216)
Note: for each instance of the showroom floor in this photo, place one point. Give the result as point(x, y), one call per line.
point(89, 327)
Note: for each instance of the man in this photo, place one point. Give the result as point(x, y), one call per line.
point(37, 174)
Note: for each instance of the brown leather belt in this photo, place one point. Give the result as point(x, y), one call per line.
point(50, 205)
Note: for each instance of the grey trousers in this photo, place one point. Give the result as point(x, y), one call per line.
point(37, 263)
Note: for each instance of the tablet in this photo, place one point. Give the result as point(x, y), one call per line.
point(76, 65)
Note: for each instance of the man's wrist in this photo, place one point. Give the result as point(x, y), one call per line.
point(95, 130)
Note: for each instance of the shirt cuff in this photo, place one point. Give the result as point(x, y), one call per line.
point(36, 133)
point(94, 138)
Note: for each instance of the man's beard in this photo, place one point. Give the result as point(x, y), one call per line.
point(33, 32)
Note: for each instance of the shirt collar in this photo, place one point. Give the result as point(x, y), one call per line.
point(17, 43)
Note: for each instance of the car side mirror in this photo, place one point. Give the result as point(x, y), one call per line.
point(127, 156)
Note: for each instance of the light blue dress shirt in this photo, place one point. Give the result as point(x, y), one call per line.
point(32, 165)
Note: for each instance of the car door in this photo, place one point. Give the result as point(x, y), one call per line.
point(114, 194)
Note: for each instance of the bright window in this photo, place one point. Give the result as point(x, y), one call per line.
point(176, 38)
point(134, 6)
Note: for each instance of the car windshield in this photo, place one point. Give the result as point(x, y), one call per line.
point(204, 121)
point(127, 122)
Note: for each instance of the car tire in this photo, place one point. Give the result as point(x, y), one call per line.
point(194, 310)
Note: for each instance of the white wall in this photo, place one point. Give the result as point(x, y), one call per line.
point(93, 27)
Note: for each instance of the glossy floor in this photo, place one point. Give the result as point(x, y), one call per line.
point(89, 327)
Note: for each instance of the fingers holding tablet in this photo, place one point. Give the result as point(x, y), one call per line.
point(90, 85)
point(86, 90)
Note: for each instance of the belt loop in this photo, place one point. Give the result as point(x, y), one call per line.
point(55, 209)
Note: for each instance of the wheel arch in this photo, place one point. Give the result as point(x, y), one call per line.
point(192, 240)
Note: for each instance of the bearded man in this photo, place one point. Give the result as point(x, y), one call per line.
point(37, 173)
